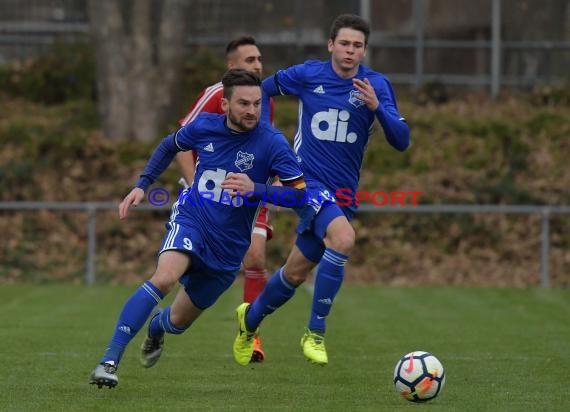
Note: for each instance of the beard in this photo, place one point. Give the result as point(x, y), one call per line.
point(239, 124)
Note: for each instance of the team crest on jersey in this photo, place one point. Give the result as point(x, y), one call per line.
point(244, 161)
point(355, 101)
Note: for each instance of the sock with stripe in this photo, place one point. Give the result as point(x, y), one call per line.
point(162, 323)
point(132, 318)
point(254, 282)
point(328, 280)
point(276, 293)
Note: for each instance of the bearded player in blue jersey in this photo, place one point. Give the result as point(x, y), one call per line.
point(211, 223)
point(339, 102)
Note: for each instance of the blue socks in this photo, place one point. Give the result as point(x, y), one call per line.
point(328, 280)
point(276, 293)
point(161, 323)
point(278, 290)
point(131, 320)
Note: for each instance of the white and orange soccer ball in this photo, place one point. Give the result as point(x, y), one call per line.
point(419, 376)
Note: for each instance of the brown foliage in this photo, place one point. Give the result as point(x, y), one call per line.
point(463, 152)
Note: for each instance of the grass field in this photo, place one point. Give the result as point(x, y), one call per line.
point(504, 350)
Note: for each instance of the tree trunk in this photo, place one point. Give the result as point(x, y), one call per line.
point(140, 52)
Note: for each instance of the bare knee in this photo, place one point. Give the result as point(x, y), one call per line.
point(164, 280)
point(342, 239)
point(171, 266)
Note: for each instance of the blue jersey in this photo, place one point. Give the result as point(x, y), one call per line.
point(334, 125)
point(224, 223)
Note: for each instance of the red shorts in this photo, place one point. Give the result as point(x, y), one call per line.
point(262, 226)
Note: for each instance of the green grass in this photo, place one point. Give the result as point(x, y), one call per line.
point(503, 350)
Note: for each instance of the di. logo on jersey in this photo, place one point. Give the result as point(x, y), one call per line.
point(209, 188)
point(332, 126)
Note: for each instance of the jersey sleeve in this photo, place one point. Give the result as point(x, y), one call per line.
point(184, 137)
point(393, 123)
point(284, 163)
point(158, 162)
point(286, 81)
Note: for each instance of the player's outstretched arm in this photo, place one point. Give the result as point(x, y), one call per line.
point(240, 184)
point(158, 162)
point(134, 198)
point(236, 183)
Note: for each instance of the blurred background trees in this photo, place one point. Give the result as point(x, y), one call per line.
point(63, 63)
point(139, 49)
point(152, 56)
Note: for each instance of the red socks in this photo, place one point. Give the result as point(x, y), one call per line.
point(255, 280)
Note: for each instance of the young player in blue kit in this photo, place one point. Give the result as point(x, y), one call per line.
point(339, 102)
point(210, 226)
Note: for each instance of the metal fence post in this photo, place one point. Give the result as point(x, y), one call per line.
point(419, 17)
point(299, 29)
point(496, 48)
point(545, 249)
point(91, 243)
point(365, 12)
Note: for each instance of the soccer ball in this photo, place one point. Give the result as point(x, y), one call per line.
point(419, 376)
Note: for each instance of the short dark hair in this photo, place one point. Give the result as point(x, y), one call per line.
point(351, 21)
point(240, 41)
point(238, 77)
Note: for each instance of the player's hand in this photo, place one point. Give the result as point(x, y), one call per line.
point(367, 93)
point(134, 198)
point(236, 183)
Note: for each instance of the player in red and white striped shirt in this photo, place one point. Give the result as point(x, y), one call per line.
point(241, 53)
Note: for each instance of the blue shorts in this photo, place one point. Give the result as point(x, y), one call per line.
point(314, 220)
point(203, 283)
